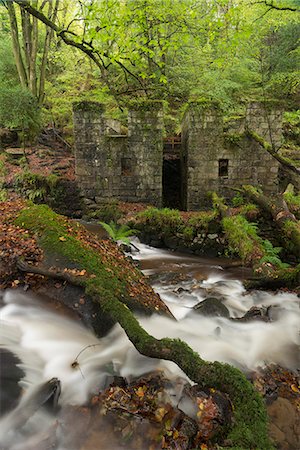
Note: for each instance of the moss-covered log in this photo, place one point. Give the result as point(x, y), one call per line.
point(249, 429)
point(280, 278)
point(288, 164)
point(244, 240)
point(282, 217)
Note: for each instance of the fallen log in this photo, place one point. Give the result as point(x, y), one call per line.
point(292, 200)
point(249, 429)
point(282, 217)
point(243, 240)
point(289, 166)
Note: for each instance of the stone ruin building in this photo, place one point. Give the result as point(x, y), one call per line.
point(178, 172)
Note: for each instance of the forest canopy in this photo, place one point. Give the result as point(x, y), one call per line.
point(178, 51)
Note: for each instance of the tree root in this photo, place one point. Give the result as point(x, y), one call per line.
point(249, 411)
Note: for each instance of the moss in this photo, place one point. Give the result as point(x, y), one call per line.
point(167, 221)
point(56, 234)
point(145, 105)
point(242, 238)
point(260, 140)
point(88, 106)
point(203, 104)
point(292, 231)
point(202, 220)
point(232, 139)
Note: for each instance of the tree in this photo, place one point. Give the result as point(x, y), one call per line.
point(30, 46)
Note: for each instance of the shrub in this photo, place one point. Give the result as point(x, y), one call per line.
point(165, 219)
point(271, 255)
point(201, 220)
point(35, 187)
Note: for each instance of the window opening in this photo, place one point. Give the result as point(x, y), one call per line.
point(126, 167)
point(223, 167)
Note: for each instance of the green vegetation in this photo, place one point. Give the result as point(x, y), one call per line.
point(36, 187)
point(3, 193)
point(293, 202)
point(242, 237)
point(119, 233)
point(115, 52)
point(165, 220)
point(19, 110)
point(271, 255)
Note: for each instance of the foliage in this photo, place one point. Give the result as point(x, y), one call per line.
point(242, 236)
point(119, 233)
point(271, 255)
point(3, 193)
point(19, 109)
point(200, 221)
point(293, 202)
point(250, 211)
point(35, 187)
point(292, 117)
point(162, 49)
point(166, 219)
point(238, 200)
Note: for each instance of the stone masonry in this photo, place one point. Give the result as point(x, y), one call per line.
point(111, 165)
point(128, 167)
point(218, 161)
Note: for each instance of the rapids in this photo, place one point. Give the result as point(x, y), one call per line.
point(48, 343)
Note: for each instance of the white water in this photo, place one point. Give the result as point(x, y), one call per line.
point(48, 343)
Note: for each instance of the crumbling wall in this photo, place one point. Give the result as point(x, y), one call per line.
point(216, 161)
point(115, 166)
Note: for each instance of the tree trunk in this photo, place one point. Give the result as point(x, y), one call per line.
point(16, 44)
point(52, 14)
point(282, 217)
point(105, 283)
point(268, 147)
point(248, 405)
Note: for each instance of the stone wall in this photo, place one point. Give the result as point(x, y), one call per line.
point(216, 161)
point(145, 134)
point(110, 165)
point(114, 166)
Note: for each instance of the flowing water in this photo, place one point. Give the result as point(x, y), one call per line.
point(48, 343)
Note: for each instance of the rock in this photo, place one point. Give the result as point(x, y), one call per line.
point(285, 424)
point(212, 306)
point(10, 376)
point(255, 313)
point(15, 153)
point(8, 137)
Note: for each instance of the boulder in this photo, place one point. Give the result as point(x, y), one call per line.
point(212, 306)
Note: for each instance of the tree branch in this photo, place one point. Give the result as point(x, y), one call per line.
point(270, 4)
point(285, 162)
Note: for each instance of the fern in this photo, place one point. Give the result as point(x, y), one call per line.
point(118, 233)
point(271, 255)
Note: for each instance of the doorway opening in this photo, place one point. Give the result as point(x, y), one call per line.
point(172, 176)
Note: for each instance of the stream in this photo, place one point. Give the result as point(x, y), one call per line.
point(46, 343)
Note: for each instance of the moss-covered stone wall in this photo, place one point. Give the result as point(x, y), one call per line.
point(217, 160)
point(114, 165)
point(214, 157)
